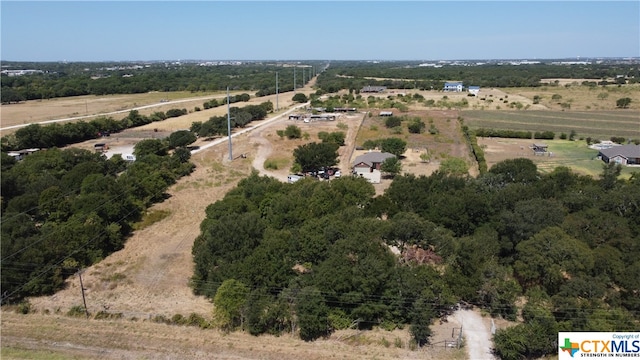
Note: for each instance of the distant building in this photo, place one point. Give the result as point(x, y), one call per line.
point(345, 109)
point(453, 87)
point(21, 154)
point(386, 113)
point(473, 90)
point(373, 89)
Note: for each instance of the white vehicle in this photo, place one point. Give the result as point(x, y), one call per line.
point(293, 178)
point(337, 174)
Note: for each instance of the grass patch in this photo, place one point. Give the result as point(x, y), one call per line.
point(276, 163)
point(150, 218)
point(576, 155)
point(114, 277)
point(13, 352)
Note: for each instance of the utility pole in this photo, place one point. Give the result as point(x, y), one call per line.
point(294, 80)
point(229, 124)
point(84, 300)
point(277, 107)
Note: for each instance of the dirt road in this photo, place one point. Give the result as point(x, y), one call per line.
point(477, 335)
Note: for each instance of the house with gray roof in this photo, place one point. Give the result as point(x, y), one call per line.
point(368, 165)
point(623, 154)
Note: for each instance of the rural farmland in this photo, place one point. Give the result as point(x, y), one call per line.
point(595, 124)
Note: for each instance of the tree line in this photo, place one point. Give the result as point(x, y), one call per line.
point(75, 79)
point(409, 75)
point(314, 257)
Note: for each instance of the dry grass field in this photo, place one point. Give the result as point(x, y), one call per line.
point(150, 276)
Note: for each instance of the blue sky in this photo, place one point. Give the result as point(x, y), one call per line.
point(303, 30)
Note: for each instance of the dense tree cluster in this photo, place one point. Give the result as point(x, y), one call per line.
point(316, 256)
point(63, 210)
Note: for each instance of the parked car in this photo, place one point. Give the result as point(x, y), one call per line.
point(293, 178)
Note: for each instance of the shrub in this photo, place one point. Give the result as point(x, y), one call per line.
point(77, 310)
point(392, 122)
point(293, 132)
point(24, 307)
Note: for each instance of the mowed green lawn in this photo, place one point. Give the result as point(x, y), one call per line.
point(600, 125)
point(579, 157)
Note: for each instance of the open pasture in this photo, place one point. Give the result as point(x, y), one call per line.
point(573, 96)
point(575, 155)
point(91, 106)
point(596, 124)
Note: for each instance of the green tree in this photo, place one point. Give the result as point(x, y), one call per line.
point(229, 302)
point(300, 98)
point(421, 321)
point(150, 147)
point(392, 122)
point(416, 126)
point(314, 156)
point(293, 132)
point(181, 138)
point(519, 170)
point(394, 146)
point(454, 166)
point(391, 166)
point(313, 314)
point(550, 256)
point(609, 175)
point(623, 103)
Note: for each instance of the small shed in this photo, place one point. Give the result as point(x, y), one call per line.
point(386, 113)
point(100, 147)
point(539, 148)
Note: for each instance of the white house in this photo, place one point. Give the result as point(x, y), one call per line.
point(453, 87)
point(368, 165)
point(473, 90)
